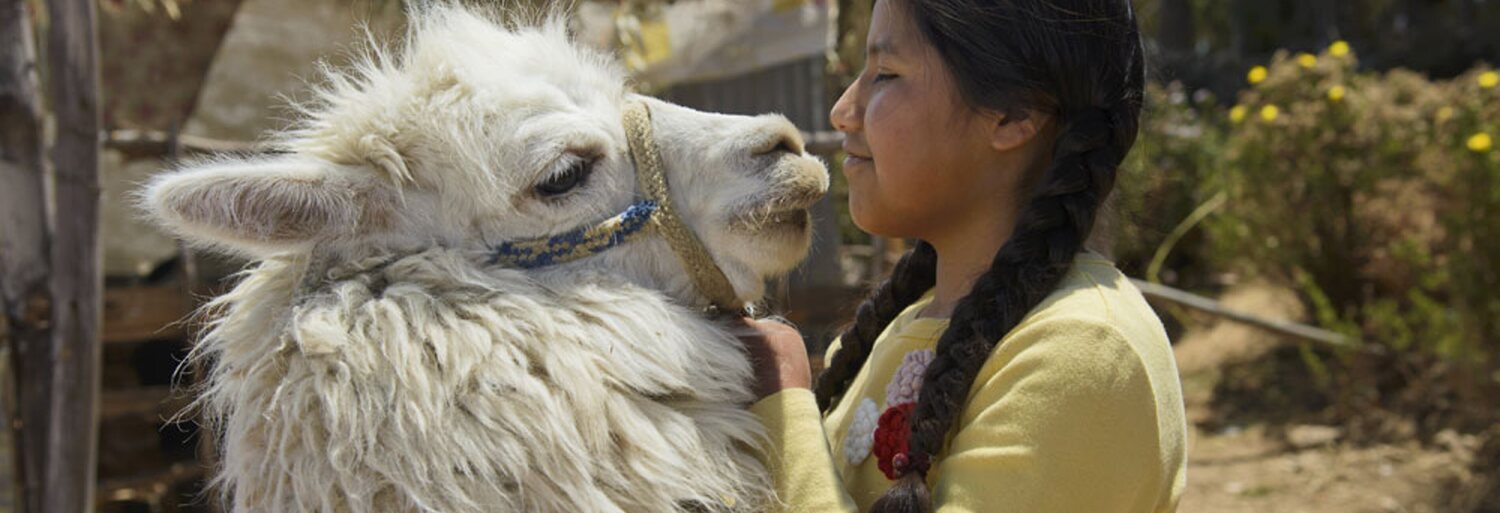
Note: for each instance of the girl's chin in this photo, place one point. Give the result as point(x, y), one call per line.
point(868, 221)
point(875, 221)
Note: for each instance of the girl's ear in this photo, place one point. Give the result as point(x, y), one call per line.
point(259, 207)
point(1009, 131)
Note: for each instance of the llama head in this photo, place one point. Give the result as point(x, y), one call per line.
point(477, 132)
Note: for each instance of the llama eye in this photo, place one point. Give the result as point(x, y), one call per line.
point(562, 183)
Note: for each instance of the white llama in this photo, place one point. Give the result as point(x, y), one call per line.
point(464, 302)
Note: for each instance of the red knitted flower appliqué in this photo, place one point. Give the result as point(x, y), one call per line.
point(891, 437)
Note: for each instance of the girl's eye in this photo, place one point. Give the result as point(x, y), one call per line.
point(881, 77)
point(562, 183)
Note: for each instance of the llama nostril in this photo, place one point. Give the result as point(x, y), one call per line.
point(781, 143)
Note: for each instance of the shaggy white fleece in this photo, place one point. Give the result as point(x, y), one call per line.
point(427, 383)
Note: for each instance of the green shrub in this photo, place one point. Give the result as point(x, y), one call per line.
point(1376, 195)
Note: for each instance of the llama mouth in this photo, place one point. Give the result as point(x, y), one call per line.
point(785, 206)
point(783, 220)
point(787, 210)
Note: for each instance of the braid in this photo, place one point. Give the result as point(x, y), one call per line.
point(914, 273)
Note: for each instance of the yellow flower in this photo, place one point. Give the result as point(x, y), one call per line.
point(1307, 60)
point(1489, 79)
point(1336, 93)
point(1444, 114)
point(1257, 75)
point(1269, 113)
point(1339, 48)
point(1237, 114)
point(1480, 142)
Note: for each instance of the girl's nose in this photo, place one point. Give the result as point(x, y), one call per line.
point(845, 116)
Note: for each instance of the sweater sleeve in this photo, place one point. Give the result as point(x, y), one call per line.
point(1062, 418)
point(798, 457)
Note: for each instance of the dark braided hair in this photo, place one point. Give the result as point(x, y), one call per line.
point(1079, 60)
point(913, 275)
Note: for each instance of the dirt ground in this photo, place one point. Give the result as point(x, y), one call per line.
point(1246, 471)
point(1268, 467)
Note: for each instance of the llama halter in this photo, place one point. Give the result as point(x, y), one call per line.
point(655, 213)
point(576, 244)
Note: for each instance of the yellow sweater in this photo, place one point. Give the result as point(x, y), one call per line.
point(1078, 410)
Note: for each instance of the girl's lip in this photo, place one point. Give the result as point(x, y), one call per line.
point(851, 159)
point(853, 152)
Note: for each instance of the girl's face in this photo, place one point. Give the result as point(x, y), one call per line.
point(919, 159)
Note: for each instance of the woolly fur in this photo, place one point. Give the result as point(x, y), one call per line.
point(426, 383)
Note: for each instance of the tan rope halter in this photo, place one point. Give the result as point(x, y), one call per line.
point(651, 174)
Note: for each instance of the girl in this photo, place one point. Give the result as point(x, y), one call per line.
point(1002, 367)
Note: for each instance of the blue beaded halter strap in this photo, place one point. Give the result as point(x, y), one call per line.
point(576, 244)
point(655, 214)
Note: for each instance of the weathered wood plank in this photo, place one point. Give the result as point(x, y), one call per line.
point(24, 260)
point(155, 403)
point(146, 143)
point(71, 450)
point(138, 314)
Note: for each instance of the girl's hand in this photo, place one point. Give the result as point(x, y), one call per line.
point(778, 354)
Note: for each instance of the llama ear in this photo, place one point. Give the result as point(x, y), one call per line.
point(266, 206)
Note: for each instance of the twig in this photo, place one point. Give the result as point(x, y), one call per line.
point(1291, 329)
point(1153, 271)
point(1158, 259)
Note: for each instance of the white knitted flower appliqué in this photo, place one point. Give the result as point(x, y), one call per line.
point(861, 435)
point(907, 382)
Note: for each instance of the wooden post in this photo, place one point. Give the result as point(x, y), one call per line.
point(50, 267)
point(71, 449)
point(24, 256)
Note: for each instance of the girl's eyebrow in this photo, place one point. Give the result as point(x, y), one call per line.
point(883, 46)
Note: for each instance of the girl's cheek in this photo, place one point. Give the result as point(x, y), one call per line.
point(879, 109)
point(890, 126)
point(881, 123)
